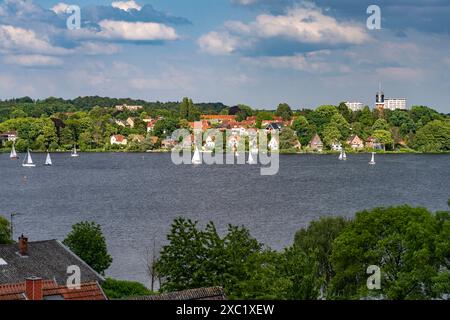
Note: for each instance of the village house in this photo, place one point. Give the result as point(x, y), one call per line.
point(130, 122)
point(316, 144)
point(118, 139)
point(121, 123)
point(10, 136)
point(372, 143)
point(137, 138)
point(274, 127)
point(217, 119)
point(336, 146)
point(168, 143)
point(210, 143)
point(124, 107)
point(274, 144)
point(355, 142)
point(39, 271)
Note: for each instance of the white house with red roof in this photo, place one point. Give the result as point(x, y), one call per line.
point(118, 139)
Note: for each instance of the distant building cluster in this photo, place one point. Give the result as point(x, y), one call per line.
point(125, 107)
point(381, 103)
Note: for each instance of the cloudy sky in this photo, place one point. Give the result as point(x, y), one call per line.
point(256, 52)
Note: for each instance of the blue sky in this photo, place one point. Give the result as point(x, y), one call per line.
point(256, 52)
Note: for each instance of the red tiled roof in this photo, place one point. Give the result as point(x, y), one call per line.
point(87, 291)
point(119, 137)
point(217, 117)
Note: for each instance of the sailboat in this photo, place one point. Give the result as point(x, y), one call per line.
point(48, 160)
point(251, 160)
point(13, 154)
point(28, 162)
point(372, 161)
point(74, 152)
point(196, 158)
point(343, 155)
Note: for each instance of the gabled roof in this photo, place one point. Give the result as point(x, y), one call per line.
point(46, 259)
point(87, 291)
point(213, 293)
point(119, 137)
point(315, 140)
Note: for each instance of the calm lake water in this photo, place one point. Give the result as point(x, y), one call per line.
point(135, 197)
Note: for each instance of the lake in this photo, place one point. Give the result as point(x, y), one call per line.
point(135, 197)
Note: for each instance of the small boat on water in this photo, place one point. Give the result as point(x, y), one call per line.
point(48, 160)
point(343, 155)
point(74, 152)
point(251, 159)
point(196, 159)
point(13, 155)
point(372, 161)
point(28, 161)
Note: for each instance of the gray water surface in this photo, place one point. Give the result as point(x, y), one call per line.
point(135, 197)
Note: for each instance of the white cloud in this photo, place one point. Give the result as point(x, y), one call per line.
point(26, 41)
point(126, 5)
point(136, 31)
point(33, 60)
point(60, 8)
point(218, 43)
point(306, 25)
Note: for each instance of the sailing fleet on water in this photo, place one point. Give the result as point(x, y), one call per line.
point(196, 159)
point(28, 160)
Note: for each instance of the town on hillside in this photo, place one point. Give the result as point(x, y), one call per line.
point(104, 124)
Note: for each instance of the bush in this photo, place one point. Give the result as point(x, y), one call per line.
point(121, 289)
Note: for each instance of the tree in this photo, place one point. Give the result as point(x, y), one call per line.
point(401, 241)
point(245, 111)
point(380, 124)
point(322, 116)
point(301, 126)
point(384, 137)
point(198, 258)
point(421, 115)
point(165, 127)
point(366, 117)
point(345, 111)
point(331, 134)
point(316, 242)
point(5, 231)
point(121, 289)
point(288, 139)
point(434, 136)
point(284, 111)
point(87, 241)
point(341, 124)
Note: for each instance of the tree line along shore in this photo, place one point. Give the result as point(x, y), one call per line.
point(97, 124)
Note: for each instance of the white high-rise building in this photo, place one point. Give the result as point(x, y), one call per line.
point(354, 106)
point(393, 104)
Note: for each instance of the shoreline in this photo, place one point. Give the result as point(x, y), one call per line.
point(281, 152)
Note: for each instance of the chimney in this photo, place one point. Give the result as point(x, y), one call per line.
point(23, 245)
point(34, 289)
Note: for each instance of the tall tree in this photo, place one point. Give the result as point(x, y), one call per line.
point(87, 241)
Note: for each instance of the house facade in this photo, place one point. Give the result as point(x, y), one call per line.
point(315, 144)
point(118, 139)
point(355, 142)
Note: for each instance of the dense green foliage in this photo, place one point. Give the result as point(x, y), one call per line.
point(121, 289)
point(5, 231)
point(328, 259)
point(89, 122)
point(87, 241)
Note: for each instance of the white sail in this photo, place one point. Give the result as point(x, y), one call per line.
point(341, 155)
point(28, 160)
point(48, 160)
point(13, 154)
point(74, 152)
point(251, 160)
point(372, 161)
point(196, 158)
point(344, 155)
